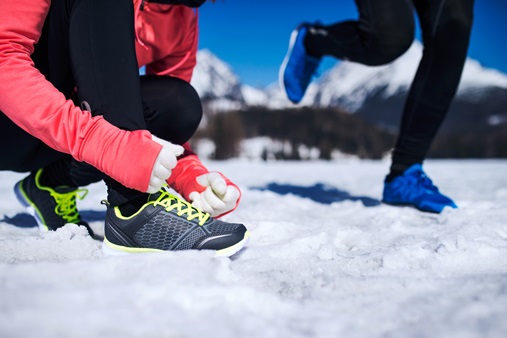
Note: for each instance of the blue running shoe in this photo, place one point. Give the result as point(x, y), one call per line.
point(298, 67)
point(414, 188)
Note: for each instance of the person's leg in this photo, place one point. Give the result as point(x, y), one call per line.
point(172, 108)
point(446, 27)
point(384, 31)
point(52, 58)
point(53, 204)
point(103, 60)
point(21, 152)
point(172, 111)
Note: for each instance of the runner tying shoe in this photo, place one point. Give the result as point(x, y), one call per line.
point(55, 55)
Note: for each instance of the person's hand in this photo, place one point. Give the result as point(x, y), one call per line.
point(218, 197)
point(165, 162)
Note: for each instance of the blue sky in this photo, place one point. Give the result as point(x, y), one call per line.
point(252, 36)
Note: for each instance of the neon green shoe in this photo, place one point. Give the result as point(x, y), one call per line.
point(168, 223)
point(52, 208)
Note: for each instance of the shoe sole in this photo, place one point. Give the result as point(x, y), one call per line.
point(30, 207)
point(111, 249)
point(415, 207)
point(292, 42)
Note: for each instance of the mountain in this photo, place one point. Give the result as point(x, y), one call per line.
point(221, 89)
point(378, 93)
point(218, 86)
point(375, 93)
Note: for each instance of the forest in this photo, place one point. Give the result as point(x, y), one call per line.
point(330, 129)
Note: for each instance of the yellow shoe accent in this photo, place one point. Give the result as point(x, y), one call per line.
point(65, 202)
point(170, 202)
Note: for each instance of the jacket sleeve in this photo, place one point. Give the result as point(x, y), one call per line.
point(36, 106)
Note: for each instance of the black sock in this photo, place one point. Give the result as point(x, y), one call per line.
point(132, 206)
point(127, 200)
point(397, 169)
point(308, 43)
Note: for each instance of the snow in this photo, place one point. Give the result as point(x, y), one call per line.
point(214, 78)
point(476, 76)
point(325, 259)
point(254, 96)
point(350, 83)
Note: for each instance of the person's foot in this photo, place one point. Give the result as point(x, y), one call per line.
point(52, 208)
point(415, 188)
point(168, 223)
point(298, 67)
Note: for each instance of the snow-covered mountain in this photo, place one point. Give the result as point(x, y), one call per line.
point(376, 93)
point(216, 83)
point(351, 84)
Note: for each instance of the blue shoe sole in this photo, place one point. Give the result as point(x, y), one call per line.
point(29, 206)
point(283, 67)
point(433, 211)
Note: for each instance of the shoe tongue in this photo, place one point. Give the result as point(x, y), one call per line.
point(64, 189)
point(153, 197)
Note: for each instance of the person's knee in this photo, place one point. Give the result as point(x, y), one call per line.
point(191, 108)
point(174, 106)
point(388, 45)
point(390, 35)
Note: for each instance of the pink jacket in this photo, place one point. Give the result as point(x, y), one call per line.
point(35, 105)
point(167, 37)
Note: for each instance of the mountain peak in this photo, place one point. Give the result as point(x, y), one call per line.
point(215, 79)
point(347, 85)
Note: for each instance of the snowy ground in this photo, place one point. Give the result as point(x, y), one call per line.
point(326, 259)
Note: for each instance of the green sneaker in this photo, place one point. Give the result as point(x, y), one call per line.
point(52, 208)
point(168, 223)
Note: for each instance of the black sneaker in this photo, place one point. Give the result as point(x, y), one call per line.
point(52, 208)
point(168, 223)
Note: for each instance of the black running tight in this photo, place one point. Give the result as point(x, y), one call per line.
point(384, 31)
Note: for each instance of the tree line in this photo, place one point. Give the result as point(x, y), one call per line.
point(330, 129)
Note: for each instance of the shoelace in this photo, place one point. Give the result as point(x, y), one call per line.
point(170, 202)
point(426, 182)
point(66, 204)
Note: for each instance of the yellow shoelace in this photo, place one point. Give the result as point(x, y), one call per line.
point(170, 202)
point(66, 204)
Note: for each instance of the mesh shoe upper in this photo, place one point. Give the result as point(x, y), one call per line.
point(298, 67)
point(415, 188)
point(167, 222)
point(53, 207)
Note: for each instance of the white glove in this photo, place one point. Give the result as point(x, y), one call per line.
point(218, 198)
point(165, 162)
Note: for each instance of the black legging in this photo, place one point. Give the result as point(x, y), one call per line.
point(384, 31)
point(88, 45)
